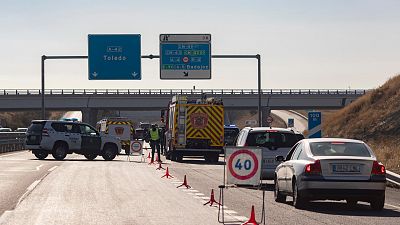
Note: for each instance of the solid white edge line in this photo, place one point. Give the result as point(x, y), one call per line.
point(28, 190)
point(33, 185)
point(52, 168)
point(397, 207)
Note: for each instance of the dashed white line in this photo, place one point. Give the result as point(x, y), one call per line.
point(230, 211)
point(52, 168)
point(241, 218)
point(199, 194)
point(393, 206)
point(38, 167)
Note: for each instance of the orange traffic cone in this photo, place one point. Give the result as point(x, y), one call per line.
point(148, 156)
point(167, 175)
point(159, 166)
point(184, 183)
point(212, 199)
point(252, 219)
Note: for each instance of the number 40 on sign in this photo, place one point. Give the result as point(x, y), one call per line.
point(243, 165)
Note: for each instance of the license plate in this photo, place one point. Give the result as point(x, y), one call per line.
point(269, 161)
point(346, 168)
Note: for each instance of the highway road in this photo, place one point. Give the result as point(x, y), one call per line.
point(300, 123)
point(77, 191)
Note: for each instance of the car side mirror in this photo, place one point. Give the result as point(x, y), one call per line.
point(280, 158)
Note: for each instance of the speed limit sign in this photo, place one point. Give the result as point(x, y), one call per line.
point(243, 165)
point(136, 147)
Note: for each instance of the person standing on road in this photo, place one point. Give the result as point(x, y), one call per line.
point(154, 138)
point(162, 140)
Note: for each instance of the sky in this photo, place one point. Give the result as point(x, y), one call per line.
point(308, 44)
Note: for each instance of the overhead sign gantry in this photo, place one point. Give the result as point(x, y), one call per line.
point(185, 56)
point(114, 57)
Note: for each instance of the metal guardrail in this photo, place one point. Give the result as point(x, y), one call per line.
point(183, 91)
point(393, 177)
point(11, 141)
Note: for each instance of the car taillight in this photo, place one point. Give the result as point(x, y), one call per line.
point(313, 168)
point(378, 168)
point(45, 132)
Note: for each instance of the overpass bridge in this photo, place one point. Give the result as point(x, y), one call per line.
point(89, 101)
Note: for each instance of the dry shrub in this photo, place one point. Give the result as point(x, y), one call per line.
point(388, 152)
point(374, 118)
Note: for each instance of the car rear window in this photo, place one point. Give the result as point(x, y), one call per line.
point(36, 127)
point(272, 139)
point(339, 149)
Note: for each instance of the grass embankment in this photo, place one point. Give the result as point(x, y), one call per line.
point(373, 118)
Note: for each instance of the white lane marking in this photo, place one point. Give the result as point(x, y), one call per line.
point(230, 211)
point(52, 168)
point(38, 167)
point(199, 194)
point(33, 185)
point(241, 218)
point(23, 151)
point(396, 207)
point(205, 198)
point(28, 190)
point(5, 215)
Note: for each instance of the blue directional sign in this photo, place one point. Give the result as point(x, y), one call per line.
point(114, 57)
point(314, 125)
point(185, 56)
point(290, 122)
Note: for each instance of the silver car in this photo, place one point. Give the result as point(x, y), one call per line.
point(330, 168)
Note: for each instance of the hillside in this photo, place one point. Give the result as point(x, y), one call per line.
point(373, 118)
point(14, 120)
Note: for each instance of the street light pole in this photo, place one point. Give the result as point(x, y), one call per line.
point(259, 90)
point(43, 108)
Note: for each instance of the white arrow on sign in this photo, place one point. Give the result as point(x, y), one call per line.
point(134, 74)
point(94, 74)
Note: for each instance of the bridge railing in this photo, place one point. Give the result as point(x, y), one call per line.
point(11, 141)
point(183, 91)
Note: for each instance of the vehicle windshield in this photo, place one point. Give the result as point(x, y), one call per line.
point(339, 149)
point(272, 139)
point(231, 132)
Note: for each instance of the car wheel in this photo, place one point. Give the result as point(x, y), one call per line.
point(215, 158)
point(60, 152)
point(378, 203)
point(298, 200)
point(90, 156)
point(279, 197)
point(41, 154)
point(351, 203)
point(109, 153)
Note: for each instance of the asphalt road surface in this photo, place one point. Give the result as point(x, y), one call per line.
point(77, 191)
point(300, 123)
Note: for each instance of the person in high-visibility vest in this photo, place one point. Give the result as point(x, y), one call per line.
point(154, 136)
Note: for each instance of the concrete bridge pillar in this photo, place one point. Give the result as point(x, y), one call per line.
point(90, 116)
point(265, 112)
